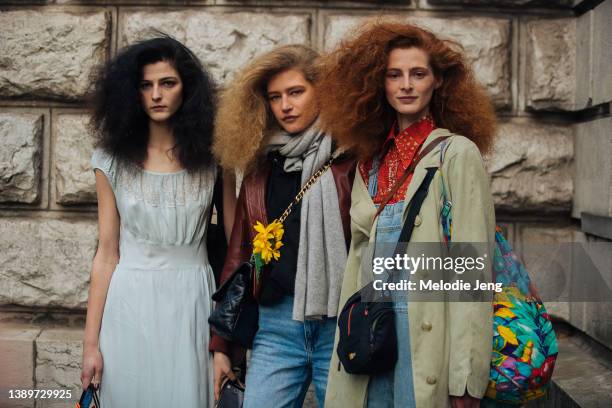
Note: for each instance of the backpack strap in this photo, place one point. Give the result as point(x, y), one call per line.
point(443, 147)
point(445, 212)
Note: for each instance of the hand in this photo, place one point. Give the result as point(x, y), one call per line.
point(92, 367)
point(223, 368)
point(466, 401)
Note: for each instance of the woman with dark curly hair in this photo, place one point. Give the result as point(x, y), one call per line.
point(396, 94)
point(267, 127)
point(146, 334)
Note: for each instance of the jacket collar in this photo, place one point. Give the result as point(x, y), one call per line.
point(361, 196)
point(431, 160)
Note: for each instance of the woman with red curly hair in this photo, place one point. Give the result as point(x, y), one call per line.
point(391, 92)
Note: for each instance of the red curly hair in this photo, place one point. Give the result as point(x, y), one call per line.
point(351, 89)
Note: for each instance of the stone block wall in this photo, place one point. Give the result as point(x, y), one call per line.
point(545, 65)
point(592, 199)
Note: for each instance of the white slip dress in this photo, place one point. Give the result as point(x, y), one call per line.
point(154, 334)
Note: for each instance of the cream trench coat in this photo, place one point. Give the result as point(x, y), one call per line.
point(450, 342)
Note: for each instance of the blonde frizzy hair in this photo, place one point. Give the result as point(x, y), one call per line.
point(244, 120)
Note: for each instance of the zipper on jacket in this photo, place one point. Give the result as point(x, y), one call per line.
point(349, 318)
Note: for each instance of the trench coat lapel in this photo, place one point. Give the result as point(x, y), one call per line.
point(364, 207)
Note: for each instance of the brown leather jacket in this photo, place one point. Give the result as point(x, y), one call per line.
point(251, 207)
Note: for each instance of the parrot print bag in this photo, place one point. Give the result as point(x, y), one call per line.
point(524, 342)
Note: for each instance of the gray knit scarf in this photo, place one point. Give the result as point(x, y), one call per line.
point(322, 252)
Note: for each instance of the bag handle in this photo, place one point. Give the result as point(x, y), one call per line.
point(409, 170)
point(313, 179)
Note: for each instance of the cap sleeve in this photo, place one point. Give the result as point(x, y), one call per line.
point(106, 163)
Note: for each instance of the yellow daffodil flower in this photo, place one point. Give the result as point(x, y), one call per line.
point(267, 242)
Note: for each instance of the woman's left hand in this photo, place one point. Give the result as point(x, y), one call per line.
point(467, 401)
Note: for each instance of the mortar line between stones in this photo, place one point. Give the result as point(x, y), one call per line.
point(314, 30)
point(514, 64)
point(115, 33)
point(50, 162)
point(591, 21)
point(520, 48)
point(35, 357)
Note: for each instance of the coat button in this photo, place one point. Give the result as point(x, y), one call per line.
point(431, 380)
point(426, 326)
point(417, 221)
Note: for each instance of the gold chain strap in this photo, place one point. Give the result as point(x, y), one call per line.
point(305, 188)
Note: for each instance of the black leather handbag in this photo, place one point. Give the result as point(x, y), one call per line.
point(232, 394)
point(236, 315)
point(368, 343)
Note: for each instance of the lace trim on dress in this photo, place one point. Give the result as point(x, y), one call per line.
point(167, 190)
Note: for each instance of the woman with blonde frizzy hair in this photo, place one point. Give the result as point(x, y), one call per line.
point(267, 127)
point(245, 117)
point(398, 95)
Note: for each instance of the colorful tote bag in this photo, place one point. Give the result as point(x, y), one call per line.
point(524, 342)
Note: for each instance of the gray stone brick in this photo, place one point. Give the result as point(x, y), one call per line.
point(49, 54)
point(46, 262)
point(59, 352)
point(513, 3)
point(531, 168)
point(593, 174)
point(17, 358)
point(225, 42)
point(551, 64)
point(602, 57)
point(20, 157)
point(74, 180)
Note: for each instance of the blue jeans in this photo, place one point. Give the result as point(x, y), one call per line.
point(395, 388)
point(287, 355)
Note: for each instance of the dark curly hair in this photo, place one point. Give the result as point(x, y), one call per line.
point(351, 88)
point(119, 121)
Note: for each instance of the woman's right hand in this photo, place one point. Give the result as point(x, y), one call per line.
point(92, 367)
point(222, 369)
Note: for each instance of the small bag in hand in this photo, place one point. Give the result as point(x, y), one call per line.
point(232, 394)
point(89, 396)
point(236, 315)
